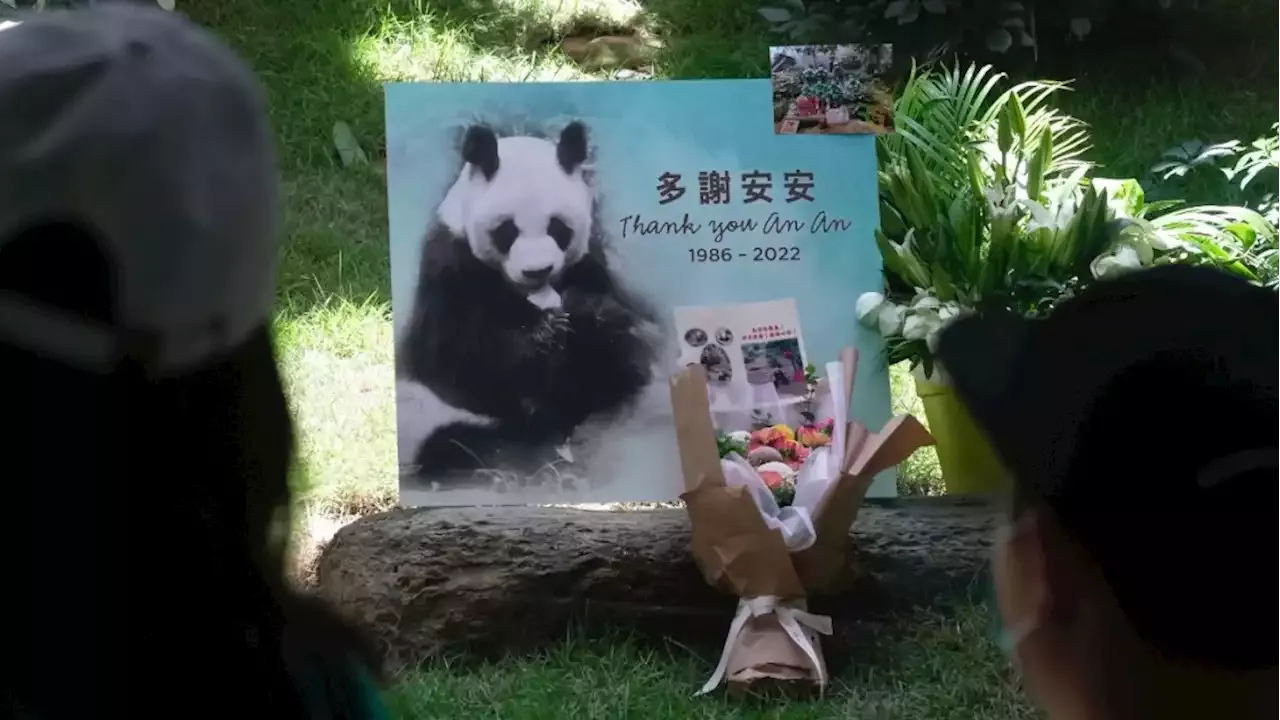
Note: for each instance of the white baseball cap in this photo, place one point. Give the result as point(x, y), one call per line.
point(148, 132)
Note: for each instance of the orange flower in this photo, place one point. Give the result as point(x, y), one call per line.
point(766, 436)
point(812, 436)
point(785, 431)
point(790, 449)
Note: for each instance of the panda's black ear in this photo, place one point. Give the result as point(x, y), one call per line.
point(572, 148)
point(480, 148)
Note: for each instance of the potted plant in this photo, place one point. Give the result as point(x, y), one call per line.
point(985, 205)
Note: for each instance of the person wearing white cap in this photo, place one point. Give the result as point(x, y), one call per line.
point(149, 440)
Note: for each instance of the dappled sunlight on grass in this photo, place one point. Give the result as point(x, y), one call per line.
point(417, 50)
point(511, 40)
point(337, 363)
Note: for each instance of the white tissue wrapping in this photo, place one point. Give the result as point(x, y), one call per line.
point(813, 480)
point(795, 523)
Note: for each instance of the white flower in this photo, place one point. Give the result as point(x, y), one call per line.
point(931, 340)
point(925, 302)
point(890, 318)
point(866, 307)
point(949, 311)
point(740, 436)
point(1122, 260)
point(918, 325)
point(781, 468)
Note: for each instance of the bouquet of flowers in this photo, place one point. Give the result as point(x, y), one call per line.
point(771, 510)
point(777, 453)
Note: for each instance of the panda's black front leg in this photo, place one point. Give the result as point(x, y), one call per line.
point(608, 360)
point(454, 452)
point(458, 448)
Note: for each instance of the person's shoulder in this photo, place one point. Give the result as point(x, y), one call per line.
point(346, 691)
point(368, 694)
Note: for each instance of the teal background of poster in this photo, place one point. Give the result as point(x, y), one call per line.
point(639, 130)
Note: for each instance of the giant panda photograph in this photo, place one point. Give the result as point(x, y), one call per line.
point(521, 331)
point(547, 244)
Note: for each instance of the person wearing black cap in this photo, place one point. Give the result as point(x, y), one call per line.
point(1136, 573)
point(149, 440)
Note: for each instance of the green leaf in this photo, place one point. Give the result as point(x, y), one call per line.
point(942, 287)
point(775, 15)
point(921, 181)
point(893, 262)
point(1244, 232)
point(349, 149)
point(896, 8)
point(890, 219)
point(1039, 164)
point(1004, 133)
point(1017, 116)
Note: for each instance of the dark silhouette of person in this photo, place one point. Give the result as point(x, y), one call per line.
point(149, 441)
point(1135, 572)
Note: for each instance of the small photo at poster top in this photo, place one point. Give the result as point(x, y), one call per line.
point(559, 250)
point(832, 89)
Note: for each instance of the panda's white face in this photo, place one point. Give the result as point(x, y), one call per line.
point(523, 205)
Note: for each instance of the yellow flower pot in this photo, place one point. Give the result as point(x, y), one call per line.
point(969, 465)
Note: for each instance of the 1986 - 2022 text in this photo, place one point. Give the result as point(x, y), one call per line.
point(781, 253)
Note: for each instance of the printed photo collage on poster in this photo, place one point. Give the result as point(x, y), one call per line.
point(559, 250)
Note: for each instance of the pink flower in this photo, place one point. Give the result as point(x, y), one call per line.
point(768, 436)
point(772, 480)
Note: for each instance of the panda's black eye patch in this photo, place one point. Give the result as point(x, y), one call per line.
point(504, 236)
point(560, 231)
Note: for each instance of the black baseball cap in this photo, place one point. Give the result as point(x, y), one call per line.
point(1143, 414)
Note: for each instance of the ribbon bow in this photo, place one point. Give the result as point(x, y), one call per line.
point(790, 618)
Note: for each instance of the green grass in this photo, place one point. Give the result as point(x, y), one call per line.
point(934, 666)
point(324, 60)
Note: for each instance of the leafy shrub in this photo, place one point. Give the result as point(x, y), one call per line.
point(986, 203)
point(982, 204)
point(1248, 175)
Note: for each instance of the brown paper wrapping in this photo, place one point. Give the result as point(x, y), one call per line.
point(738, 552)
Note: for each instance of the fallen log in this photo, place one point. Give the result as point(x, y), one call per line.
point(433, 583)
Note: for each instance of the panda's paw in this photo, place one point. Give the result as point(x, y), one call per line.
point(552, 329)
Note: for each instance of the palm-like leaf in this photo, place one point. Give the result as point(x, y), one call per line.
point(1235, 238)
point(947, 114)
